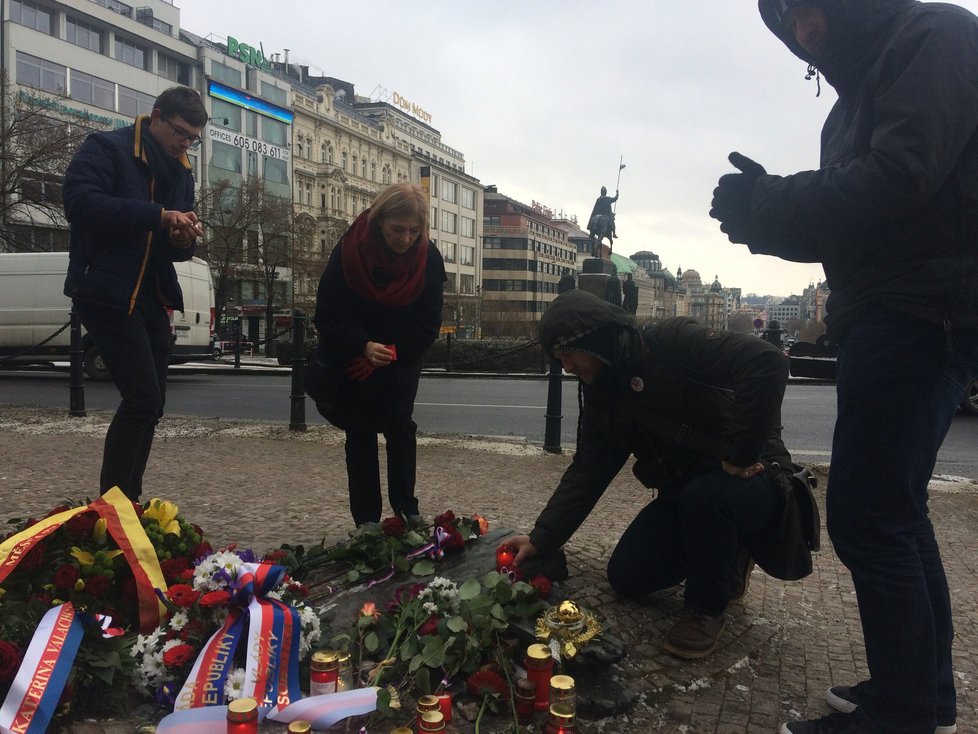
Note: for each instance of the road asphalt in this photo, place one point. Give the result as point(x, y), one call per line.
point(261, 485)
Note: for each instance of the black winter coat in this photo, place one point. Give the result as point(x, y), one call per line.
point(724, 385)
point(892, 213)
point(115, 215)
point(346, 322)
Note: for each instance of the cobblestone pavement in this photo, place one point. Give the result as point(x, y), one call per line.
point(261, 485)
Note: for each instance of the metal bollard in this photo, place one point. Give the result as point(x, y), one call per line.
point(297, 419)
point(76, 383)
point(551, 438)
point(237, 348)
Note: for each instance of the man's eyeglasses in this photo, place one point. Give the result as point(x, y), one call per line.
point(183, 134)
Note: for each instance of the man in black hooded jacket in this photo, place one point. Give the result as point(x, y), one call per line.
point(892, 215)
point(701, 412)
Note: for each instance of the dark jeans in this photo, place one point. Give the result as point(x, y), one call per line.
point(135, 349)
point(363, 472)
point(899, 384)
point(694, 537)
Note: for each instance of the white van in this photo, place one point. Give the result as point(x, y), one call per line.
point(33, 307)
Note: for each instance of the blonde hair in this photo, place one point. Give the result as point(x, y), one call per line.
point(400, 200)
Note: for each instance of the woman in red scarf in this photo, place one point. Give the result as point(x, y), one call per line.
point(378, 310)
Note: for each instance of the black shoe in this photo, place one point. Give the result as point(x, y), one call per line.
point(846, 700)
point(831, 724)
point(694, 635)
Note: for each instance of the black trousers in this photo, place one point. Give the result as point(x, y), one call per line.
point(693, 537)
point(136, 350)
point(391, 403)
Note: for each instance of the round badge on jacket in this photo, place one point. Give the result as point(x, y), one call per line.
point(638, 384)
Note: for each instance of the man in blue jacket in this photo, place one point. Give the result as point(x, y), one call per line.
point(129, 196)
point(892, 215)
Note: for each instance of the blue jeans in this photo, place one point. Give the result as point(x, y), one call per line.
point(900, 381)
point(135, 348)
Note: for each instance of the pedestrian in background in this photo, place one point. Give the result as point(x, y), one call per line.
point(378, 310)
point(701, 412)
point(129, 198)
point(892, 215)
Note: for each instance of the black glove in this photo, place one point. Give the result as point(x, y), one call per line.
point(731, 197)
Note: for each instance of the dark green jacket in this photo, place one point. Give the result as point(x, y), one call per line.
point(725, 386)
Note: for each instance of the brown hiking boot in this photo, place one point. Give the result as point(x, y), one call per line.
point(694, 635)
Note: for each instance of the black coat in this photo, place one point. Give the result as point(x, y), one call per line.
point(892, 213)
point(346, 321)
point(115, 211)
point(726, 386)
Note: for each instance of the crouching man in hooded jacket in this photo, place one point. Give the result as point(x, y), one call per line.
point(701, 412)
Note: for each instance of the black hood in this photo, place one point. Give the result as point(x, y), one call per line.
point(578, 320)
point(855, 28)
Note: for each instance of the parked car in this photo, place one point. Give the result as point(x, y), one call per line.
point(969, 403)
point(227, 346)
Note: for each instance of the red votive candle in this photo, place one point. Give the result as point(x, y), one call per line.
point(504, 557)
point(539, 667)
point(242, 716)
point(445, 705)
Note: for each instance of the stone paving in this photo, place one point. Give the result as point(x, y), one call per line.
point(261, 485)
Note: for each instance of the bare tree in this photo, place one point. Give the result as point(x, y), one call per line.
point(275, 254)
point(37, 141)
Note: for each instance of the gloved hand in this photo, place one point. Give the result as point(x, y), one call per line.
point(731, 197)
point(358, 368)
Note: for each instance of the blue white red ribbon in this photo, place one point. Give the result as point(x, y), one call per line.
point(36, 691)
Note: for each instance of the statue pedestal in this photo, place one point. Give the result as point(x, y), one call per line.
point(595, 274)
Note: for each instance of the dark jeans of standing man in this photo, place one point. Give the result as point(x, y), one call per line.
point(900, 381)
point(135, 348)
point(692, 537)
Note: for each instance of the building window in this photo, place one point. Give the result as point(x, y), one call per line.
point(468, 227)
point(433, 218)
point(32, 15)
point(466, 284)
point(84, 35)
point(466, 255)
point(41, 74)
point(449, 222)
point(343, 157)
point(225, 114)
point(373, 170)
point(274, 94)
point(130, 53)
point(274, 132)
point(363, 168)
point(226, 157)
point(93, 90)
point(252, 163)
point(133, 102)
point(226, 74)
point(385, 174)
point(251, 123)
point(354, 170)
point(276, 171)
point(170, 68)
point(447, 251)
point(468, 198)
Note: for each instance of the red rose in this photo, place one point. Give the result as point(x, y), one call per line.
point(82, 524)
point(42, 598)
point(394, 526)
point(174, 567)
point(300, 590)
point(215, 598)
point(454, 541)
point(65, 576)
point(138, 509)
point(446, 518)
point(187, 575)
point(429, 627)
point(177, 655)
point(276, 555)
point(34, 558)
point(59, 508)
point(543, 585)
point(202, 549)
point(182, 595)
point(10, 657)
point(97, 585)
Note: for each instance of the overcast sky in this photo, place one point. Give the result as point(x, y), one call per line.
point(544, 96)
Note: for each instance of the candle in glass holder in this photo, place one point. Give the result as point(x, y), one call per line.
point(504, 558)
point(560, 720)
point(539, 667)
point(300, 727)
point(323, 673)
point(402, 730)
point(431, 721)
point(242, 716)
point(562, 690)
point(445, 706)
point(344, 672)
point(526, 699)
point(426, 704)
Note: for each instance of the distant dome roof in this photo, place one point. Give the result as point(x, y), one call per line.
point(691, 277)
point(716, 287)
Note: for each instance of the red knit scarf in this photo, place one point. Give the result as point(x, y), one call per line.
point(376, 272)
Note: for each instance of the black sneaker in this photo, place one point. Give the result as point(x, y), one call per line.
point(831, 724)
point(846, 700)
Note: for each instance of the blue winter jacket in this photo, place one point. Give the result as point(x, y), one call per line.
point(115, 215)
